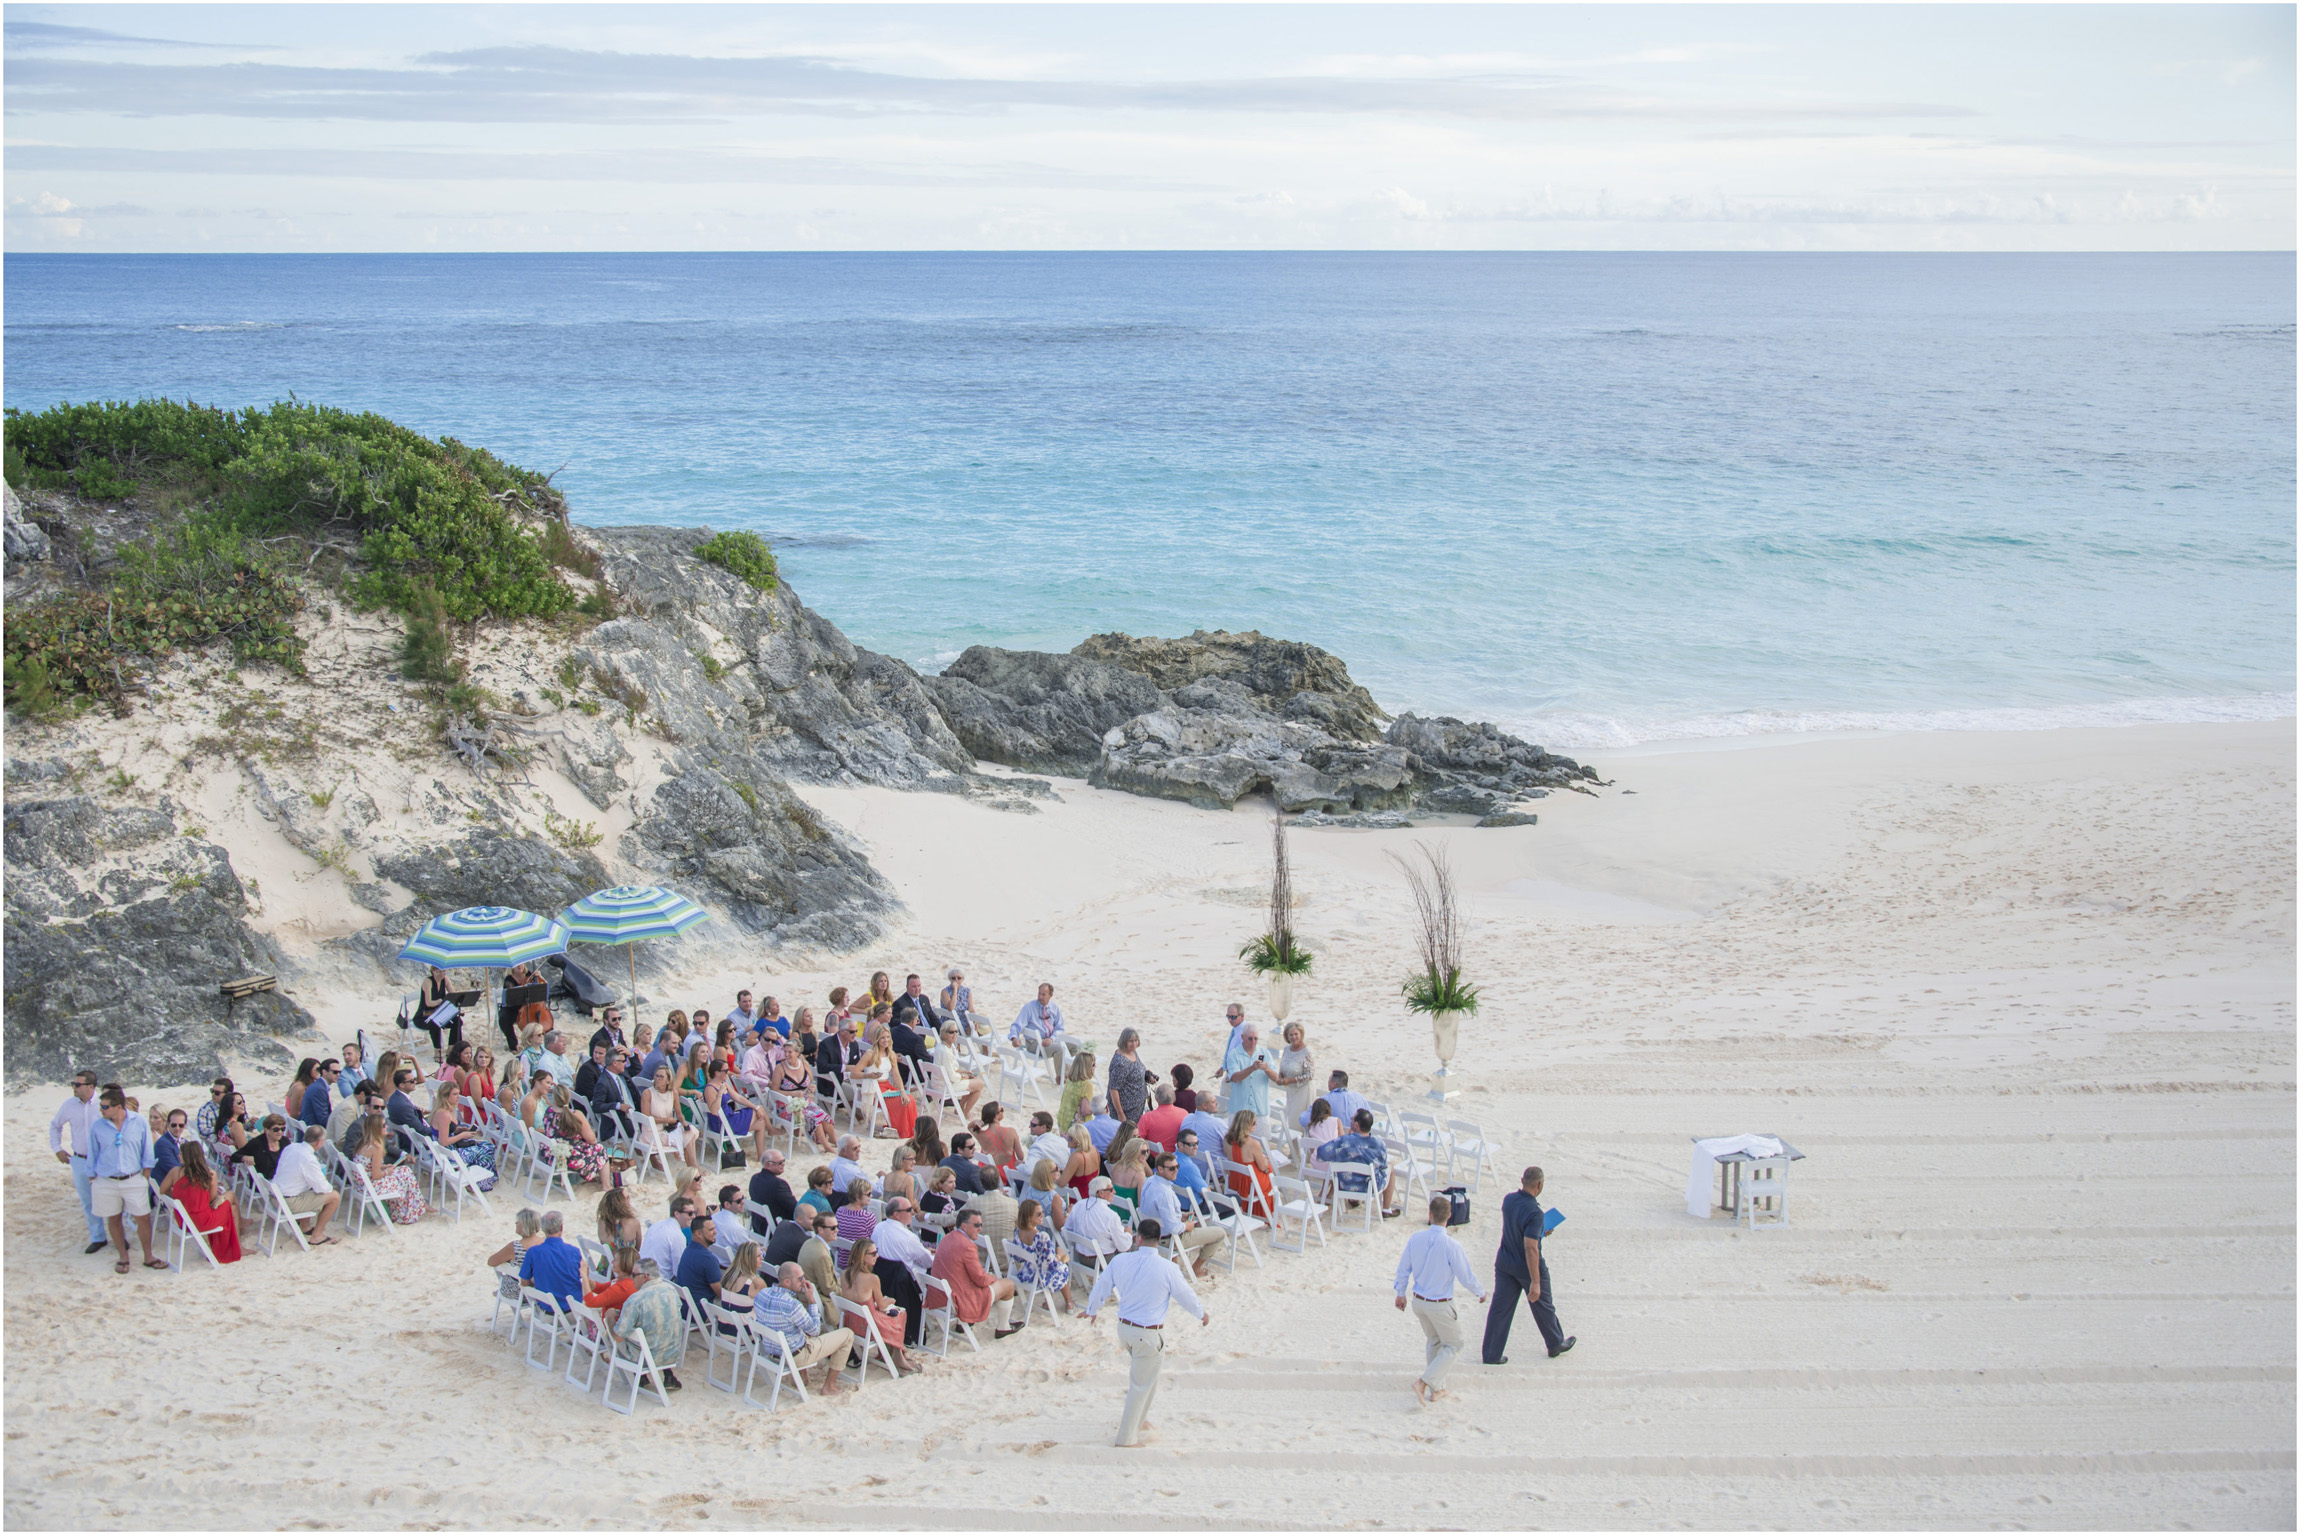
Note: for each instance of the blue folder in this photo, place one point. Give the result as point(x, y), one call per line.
point(1549, 1220)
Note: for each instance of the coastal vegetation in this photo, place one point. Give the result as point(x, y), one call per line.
point(744, 553)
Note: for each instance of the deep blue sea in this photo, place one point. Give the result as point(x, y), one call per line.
point(1600, 498)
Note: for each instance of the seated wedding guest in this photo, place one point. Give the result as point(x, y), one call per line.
point(433, 1012)
point(1039, 1022)
point(1162, 1122)
point(666, 1239)
point(587, 1074)
point(914, 997)
point(554, 1059)
point(819, 1191)
point(1045, 1145)
point(1322, 1127)
point(899, 1178)
point(553, 1265)
point(610, 1031)
point(965, 1086)
point(1344, 1103)
point(900, 1255)
point(526, 1228)
point(957, 1000)
point(998, 1214)
point(999, 1142)
point(730, 1111)
point(1044, 1190)
point(883, 1068)
point(614, 1102)
point(608, 1296)
point(856, 1218)
point(391, 1178)
point(212, 1123)
point(793, 1308)
point(1131, 1171)
point(470, 1147)
point(769, 1188)
point(406, 1119)
point(742, 1015)
point(756, 1066)
point(730, 1227)
point(962, 1165)
point(1360, 1149)
point(354, 1072)
point(739, 1287)
point(1084, 1162)
point(618, 1224)
point(1184, 1099)
point(699, 1268)
point(263, 1153)
point(659, 1121)
point(819, 1260)
point(210, 1208)
point(910, 1039)
point(1251, 1184)
point(887, 1318)
point(1043, 1265)
point(846, 1167)
point(651, 1312)
point(1206, 1123)
point(926, 1143)
point(1162, 1203)
point(836, 1057)
point(1193, 1173)
point(794, 1078)
point(168, 1150)
point(304, 1184)
point(1094, 1222)
point(770, 1016)
point(346, 1121)
point(1102, 1129)
point(976, 1295)
point(642, 1046)
point(941, 1195)
point(789, 1237)
point(1079, 1100)
point(574, 1142)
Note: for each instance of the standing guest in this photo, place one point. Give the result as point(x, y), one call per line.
point(1146, 1283)
point(263, 1153)
point(393, 1181)
point(957, 1001)
point(1428, 1269)
point(651, 1313)
point(769, 1188)
point(666, 1239)
point(793, 1309)
point(1248, 1072)
point(1234, 1018)
point(1041, 1264)
point(1162, 1202)
point(1039, 1022)
point(998, 1139)
point(887, 1318)
point(1519, 1268)
point(1340, 1099)
point(900, 1255)
point(1360, 1147)
point(699, 1269)
point(1296, 1074)
point(76, 1118)
point(975, 1294)
point(168, 1150)
point(1185, 1096)
point(119, 1166)
point(303, 1183)
point(1161, 1123)
point(209, 1208)
point(1045, 1145)
point(1094, 1223)
point(470, 1147)
point(961, 1164)
point(1078, 1101)
point(819, 1188)
point(1130, 1081)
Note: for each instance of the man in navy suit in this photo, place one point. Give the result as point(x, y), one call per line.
point(1519, 1268)
point(400, 1109)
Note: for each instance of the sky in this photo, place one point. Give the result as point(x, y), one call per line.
point(294, 127)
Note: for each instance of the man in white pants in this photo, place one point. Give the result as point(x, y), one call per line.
point(1146, 1283)
point(1427, 1271)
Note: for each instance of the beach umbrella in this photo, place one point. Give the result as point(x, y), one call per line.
point(629, 914)
point(486, 938)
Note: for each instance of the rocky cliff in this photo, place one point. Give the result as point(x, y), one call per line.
point(238, 822)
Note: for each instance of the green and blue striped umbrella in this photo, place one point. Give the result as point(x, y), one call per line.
point(485, 937)
point(629, 914)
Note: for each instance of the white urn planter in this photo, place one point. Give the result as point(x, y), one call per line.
point(1281, 995)
point(1445, 1034)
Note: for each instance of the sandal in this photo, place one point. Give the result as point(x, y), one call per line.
point(120, 1267)
point(155, 1263)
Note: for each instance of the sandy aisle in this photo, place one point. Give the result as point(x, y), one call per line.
point(2026, 1001)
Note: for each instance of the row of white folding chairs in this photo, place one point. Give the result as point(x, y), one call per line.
point(1441, 1148)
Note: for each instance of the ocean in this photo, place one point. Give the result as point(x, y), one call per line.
point(1602, 499)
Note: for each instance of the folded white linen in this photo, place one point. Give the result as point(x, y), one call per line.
point(1705, 1154)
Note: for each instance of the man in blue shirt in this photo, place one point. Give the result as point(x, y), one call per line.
point(699, 1267)
point(1102, 1129)
point(1519, 1268)
point(1360, 1147)
point(119, 1158)
point(741, 1015)
point(553, 1265)
point(315, 1106)
point(961, 1162)
point(168, 1152)
point(1247, 1072)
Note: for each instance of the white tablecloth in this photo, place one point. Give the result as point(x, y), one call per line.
point(1705, 1154)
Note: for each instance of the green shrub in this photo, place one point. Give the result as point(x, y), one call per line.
point(560, 548)
point(746, 554)
point(31, 691)
point(428, 652)
point(599, 603)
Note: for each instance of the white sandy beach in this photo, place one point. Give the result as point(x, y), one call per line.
point(2025, 1000)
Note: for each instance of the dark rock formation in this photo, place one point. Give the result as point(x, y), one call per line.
point(1282, 677)
point(1039, 712)
point(118, 932)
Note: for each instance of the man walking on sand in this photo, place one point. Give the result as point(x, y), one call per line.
point(1519, 1268)
point(77, 1118)
point(1146, 1283)
point(1431, 1265)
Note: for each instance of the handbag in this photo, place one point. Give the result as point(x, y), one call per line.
point(1460, 1197)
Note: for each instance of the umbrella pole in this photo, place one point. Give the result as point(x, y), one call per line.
point(632, 960)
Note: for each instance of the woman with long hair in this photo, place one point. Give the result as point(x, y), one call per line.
point(619, 1224)
point(881, 1062)
point(393, 1182)
point(999, 1141)
point(211, 1210)
point(305, 1071)
point(886, 1318)
point(1243, 1146)
point(1077, 1103)
point(881, 993)
point(474, 1149)
point(926, 1142)
point(740, 1285)
point(1131, 1171)
point(795, 1081)
point(730, 1111)
point(659, 1108)
point(1043, 1266)
point(573, 1140)
point(1085, 1164)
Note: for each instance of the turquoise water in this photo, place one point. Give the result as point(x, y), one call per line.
point(1601, 498)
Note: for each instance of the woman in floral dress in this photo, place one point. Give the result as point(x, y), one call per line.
point(573, 1142)
point(1044, 1268)
point(394, 1182)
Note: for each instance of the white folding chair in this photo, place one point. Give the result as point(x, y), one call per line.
point(453, 1175)
point(507, 1294)
point(181, 1235)
point(597, 1260)
point(938, 1092)
point(272, 1209)
point(586, 1340)
point(764, 1217)
point(715, 1143)
point(1254, 1201)
point(1406, 1162)
point(787, 1118)
point(946, 1314)
point(1765, 1179)
point(1299, 1209)
point(631, 1357)
point(770, 1348)
point(649, 1149)
point(1428, 1138)
point(688, 1313)
point(1385, 1121)
point(1031, 1293)
point(867, 1341)
point(1235, 1228)
point(361, 1196)
point(1468, 1144)
point(1341, 1199)
point(543, 1314)
point(727, 1332)
point(540, 1168)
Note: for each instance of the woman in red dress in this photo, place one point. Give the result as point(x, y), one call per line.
point(1246, 1149)
point(208, 1205)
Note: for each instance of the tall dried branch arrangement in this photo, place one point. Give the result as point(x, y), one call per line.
point(1437, 934)
point(1281, 887)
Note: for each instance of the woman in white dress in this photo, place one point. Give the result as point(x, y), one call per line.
point(1297, 1074)
point(963, 1084)
point(660, 1103)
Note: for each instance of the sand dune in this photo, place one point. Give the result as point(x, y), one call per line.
point(2025, 1000)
